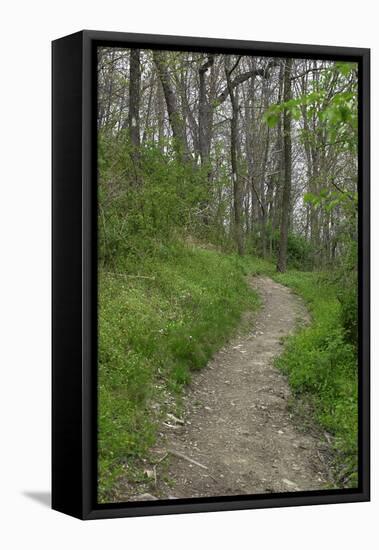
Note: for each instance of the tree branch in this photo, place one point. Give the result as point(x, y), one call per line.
point(243, 77)
point(205, 66)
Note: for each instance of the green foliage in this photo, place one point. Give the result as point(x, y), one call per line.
point(299, 249)
point(271, 116)
point(338, 112)
point(144, 203)
point(346, 278)
point(341, 115)
point(321, 365)
point(349, 309)
point(331, 199)
point(345, 68)
point(158, 321)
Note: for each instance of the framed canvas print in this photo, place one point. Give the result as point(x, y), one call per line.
point(210, 274)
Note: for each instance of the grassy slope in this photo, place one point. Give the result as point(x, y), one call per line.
point(156, 328)
point(159, 321)
point(322, 370)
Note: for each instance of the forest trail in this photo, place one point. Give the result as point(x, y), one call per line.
point(238, 436)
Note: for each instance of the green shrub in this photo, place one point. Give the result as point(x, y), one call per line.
point(347, 280)
point(348, 299)
point(300, 252)
point(140, 206)
point(322, 369)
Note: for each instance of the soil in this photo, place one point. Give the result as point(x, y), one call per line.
point(237, 434)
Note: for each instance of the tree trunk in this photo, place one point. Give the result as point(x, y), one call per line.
point(250, 134)
point(205, 114)
point(237, 202)
point(205, 132)
point(160, 108)
point(134, 108)
point(176, 121)
point(134, 98)
point(287, 158)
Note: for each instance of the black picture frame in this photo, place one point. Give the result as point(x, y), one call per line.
point(74, 272)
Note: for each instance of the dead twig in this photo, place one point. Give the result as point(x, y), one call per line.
point(156, 465)
point(128, 276)
point(185, 457)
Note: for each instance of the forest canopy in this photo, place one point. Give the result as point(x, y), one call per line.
point(255, 154)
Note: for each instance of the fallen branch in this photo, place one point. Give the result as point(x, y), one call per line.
point(128, 276)
point(185, 457)
point(155, 467)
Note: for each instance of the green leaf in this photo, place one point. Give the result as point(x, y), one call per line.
point(311, 198)
point(272, 119)
point(345, 68)
point(296, 113)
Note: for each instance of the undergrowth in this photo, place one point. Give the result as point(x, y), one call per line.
point(159, 320)
point(321, 364)
point(162, 317)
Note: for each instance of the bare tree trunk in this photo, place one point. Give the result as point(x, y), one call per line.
point(176, 121)
point(277, 180)
point(205, 114)
point(134, 98)
point(263, 199)
point(237, 202)
point(160, 114)
point(109, 92)
point(249, 138)
point(181, 78)
point(147, 124)
point(205, 131)
point(134, 108)
point(287, 158)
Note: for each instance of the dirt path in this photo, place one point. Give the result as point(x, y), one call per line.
point(237, 428)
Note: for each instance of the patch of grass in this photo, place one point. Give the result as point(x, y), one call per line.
point(321, 364)
point(159, 320)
